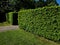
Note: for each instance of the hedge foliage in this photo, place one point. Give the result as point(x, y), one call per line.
point(9, 17)
point(42, 21)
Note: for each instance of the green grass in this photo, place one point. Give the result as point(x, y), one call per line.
point(20, 37)
point(4, 24)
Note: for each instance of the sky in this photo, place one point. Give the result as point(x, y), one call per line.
point(58, 1)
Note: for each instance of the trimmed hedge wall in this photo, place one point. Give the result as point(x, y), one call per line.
point(9, 17)
point(42, 21)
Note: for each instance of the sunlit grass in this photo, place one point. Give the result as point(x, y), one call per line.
point(20, 37)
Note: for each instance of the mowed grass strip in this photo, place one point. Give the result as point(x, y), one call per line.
point(4, 24)
point(20, 37)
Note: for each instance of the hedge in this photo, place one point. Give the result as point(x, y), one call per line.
point(9, 17)
point(44, 22)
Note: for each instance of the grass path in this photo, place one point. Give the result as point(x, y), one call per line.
point(20, 37)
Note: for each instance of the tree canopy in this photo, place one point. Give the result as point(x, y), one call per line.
point(16, 5)
point(51, 2)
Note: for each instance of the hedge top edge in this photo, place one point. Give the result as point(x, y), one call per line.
point(39, 8)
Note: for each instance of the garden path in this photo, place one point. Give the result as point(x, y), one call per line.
point(6, 28)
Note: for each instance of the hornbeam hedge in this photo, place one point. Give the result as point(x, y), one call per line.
point(44, 22)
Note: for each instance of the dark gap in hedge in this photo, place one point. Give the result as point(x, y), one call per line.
point(15, 18)
point(2, 17)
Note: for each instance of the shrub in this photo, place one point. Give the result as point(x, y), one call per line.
point(42, 21)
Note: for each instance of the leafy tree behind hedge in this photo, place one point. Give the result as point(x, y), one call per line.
point(51, 2)
point(16, 5)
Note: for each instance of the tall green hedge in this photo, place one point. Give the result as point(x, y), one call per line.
point(9, 17)
point(42, 21)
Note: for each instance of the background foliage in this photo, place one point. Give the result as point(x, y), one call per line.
point(16, 5)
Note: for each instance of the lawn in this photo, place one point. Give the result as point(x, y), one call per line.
point(4, 24)
point(20, 37)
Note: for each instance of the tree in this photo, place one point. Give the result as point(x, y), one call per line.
point(51, 2)
point(16, 5)
point(5, 6)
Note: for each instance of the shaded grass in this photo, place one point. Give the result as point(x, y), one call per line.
point(4, 24)
point(20, 37)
